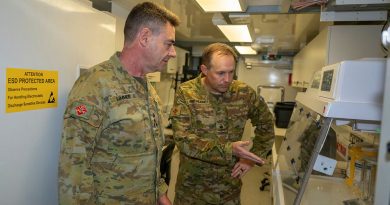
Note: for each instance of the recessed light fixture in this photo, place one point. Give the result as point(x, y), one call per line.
point(222, 5)
point(245, 50)
point(236, 33)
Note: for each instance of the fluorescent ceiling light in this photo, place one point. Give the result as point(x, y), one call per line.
point(236, 33)
point(222, 5)
point(68, 6)
point(245, 50)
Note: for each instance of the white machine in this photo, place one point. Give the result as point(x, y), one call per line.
point(348, 92)
point(350, 89)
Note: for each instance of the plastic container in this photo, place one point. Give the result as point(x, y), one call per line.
point(369, 178)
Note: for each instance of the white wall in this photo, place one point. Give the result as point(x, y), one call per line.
point(266, 76)
point(120, 14)
point(44, 35)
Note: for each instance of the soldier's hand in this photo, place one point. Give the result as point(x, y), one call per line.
point(241, 168)
point(164, 200)
point(239, 150)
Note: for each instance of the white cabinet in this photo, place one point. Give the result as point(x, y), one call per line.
point(382, 189)
point(334, 44)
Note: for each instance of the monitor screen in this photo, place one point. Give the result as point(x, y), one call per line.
point(327, 78)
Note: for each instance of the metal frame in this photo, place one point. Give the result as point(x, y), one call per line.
point(382, 184)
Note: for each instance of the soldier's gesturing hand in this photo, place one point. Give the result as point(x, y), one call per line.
point(164, 200)
point(239, 150)
point(241, 168)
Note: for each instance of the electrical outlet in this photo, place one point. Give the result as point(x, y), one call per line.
point(325, 165)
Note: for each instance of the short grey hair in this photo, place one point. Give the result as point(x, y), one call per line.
point(150, 15)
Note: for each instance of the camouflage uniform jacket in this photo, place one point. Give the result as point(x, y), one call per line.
point(112, 140)
point(204, 127)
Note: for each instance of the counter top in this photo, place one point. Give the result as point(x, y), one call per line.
point(280, 131)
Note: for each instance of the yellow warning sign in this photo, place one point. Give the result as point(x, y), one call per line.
point(28, 89)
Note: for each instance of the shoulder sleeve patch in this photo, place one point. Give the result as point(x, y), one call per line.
point(79, 109)
point(85, 112)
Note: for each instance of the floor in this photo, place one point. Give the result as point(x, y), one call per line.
point(250, 192)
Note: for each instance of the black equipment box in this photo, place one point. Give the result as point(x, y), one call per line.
point(283, 111)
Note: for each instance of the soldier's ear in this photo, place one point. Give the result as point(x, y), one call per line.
point(204, 69)
point(144, 36)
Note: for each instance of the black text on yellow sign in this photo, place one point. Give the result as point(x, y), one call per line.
point(28, 89)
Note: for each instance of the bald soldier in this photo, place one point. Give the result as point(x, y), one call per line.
point(112, 138)
point(208, 119)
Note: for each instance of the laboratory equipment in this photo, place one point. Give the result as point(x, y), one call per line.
point(349, 92)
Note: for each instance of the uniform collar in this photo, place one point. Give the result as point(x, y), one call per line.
point(122, 73)
point(119, 70)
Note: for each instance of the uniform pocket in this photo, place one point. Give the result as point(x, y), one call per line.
point(125, 176)
point(205, 116)
point(128, 132)
point(131, 109)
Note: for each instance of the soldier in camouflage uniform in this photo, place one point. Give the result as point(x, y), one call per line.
point(208, 118)
point(112, 139)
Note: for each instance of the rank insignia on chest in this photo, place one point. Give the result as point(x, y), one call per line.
point(175, 111)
